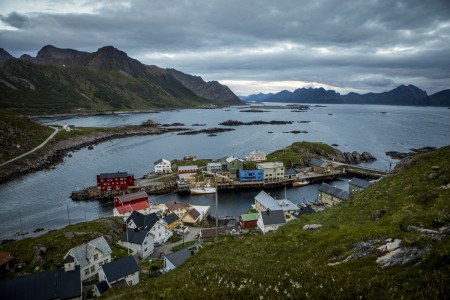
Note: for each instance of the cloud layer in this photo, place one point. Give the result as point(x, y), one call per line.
point(253, 45)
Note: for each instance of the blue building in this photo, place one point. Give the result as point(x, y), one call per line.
point(251, 175)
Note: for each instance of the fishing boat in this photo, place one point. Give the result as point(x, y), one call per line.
point(300, 183)
point(206, 189)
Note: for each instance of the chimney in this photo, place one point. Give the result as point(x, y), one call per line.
point(192, 252)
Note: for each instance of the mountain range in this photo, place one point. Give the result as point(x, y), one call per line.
point(71, 81)
point(402, 95)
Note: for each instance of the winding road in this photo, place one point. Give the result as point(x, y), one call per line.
point(37, 148)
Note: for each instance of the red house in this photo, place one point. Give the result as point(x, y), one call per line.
point(248, 220)
point(119, 181)
point(130, 199)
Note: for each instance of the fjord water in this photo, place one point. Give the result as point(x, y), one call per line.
point(42, 199)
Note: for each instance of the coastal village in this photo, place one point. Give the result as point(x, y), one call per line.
point(148, 226)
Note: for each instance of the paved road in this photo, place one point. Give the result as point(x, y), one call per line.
point(38, 147)
point(165, 248)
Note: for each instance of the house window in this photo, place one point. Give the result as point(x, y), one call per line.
point(95, 257)
point(92, 269)
point(160, 234)
point(145, 250)
point(86, 272)
point(105, 261)
point(130, 282)
point(145, 243)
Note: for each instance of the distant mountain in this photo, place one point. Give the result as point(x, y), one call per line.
point(71, 81)
point(256, 97)
point(402, 95)
point(211, 90)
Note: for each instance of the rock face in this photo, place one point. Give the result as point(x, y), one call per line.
point(354, 157)
point(4, 55)
point(401, 256)
point(211, 90)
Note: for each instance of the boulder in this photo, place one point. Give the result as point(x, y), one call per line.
point(401, 256)
point(312, 226)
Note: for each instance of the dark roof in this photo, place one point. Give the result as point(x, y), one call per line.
point(270, 217)
point(135, 236)
point(143, 221)
point(171, 218)
point(304, 211)
point(102, 287)
point(132, 196)
point(113, 175)
point(232, 223)
point(45, 285)
point(194, 214)
point(333, 191)
point(173, 205)
point(179, 257)
point(318, 162)
point(158, 162)
point(360, 183)
point(120, 268)
point(291, 172)
point(69, 259)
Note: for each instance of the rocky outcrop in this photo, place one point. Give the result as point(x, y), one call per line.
point(239, 123)
point(4, 55)
point(354, 158)
point(312, 226)
point(401, 256)
point(207, 131)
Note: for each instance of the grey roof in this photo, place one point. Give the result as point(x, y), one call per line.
point(45, 285)
point(305, 211)
point(171, 218)
point(194, 214)
point(360, 183)
point(333, 191)
point(291, 172)
point(272, 217)
point(69, 259)
point(135, 236)
point(270, 203)
point(160, 161)
point(257, 152)
point(318, 162)
point(85, 251)
point(113, 175)
point(143, 221)
point(120, 268)
point(179, 257)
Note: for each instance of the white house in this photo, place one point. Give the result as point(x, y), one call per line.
point(256, 155)
point(139, 240)
point(264, 201)
point(151, 223)
point(272, 170)
point(214, 167)
point(162, 166)
point(120, 272)
point(90, 256)
point(270, 220)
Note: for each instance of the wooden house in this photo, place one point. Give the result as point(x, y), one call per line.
point(185, 172)
point(118, 273)
point(248, 220)
point(114, 181)
point(355, 185)
point(162, 166)
point(270, 220)
point(320, 166)
point(331, 195)
point(139, 240)
point(272, 170)
point(256, 155)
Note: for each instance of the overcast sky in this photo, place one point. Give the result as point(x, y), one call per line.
point(252, 46)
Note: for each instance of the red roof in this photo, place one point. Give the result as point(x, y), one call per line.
point(132, 197)
point(130, 207)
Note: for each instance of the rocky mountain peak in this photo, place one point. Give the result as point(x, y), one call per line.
point(4, 55)
point(109, 58)
point(52, 55)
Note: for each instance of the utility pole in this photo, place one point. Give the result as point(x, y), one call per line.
point(68, 215)
point(21, 229)
point(217, 208)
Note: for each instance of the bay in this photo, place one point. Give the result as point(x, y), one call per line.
point(42, 199)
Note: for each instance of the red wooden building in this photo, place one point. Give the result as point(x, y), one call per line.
point(248, 220)
point(130, 199)
point(114, 181)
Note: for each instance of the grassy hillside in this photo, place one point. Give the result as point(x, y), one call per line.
point(19, 130)
point(297, 263)
point(58, 242)
point(35, 89)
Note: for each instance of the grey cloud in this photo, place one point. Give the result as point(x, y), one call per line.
point(15, 19)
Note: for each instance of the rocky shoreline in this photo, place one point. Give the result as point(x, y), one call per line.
point(55, 152)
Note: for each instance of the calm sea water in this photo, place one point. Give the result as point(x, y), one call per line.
point(42, 199)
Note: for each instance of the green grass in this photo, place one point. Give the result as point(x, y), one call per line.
point(16, 129)
point(293, 263)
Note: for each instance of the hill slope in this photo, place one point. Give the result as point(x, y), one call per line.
point(297, 263)
point(71, 81)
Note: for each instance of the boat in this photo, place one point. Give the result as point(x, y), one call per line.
point(300, 183)
point(207, 189)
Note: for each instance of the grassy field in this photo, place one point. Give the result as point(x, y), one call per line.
point(294, 263)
